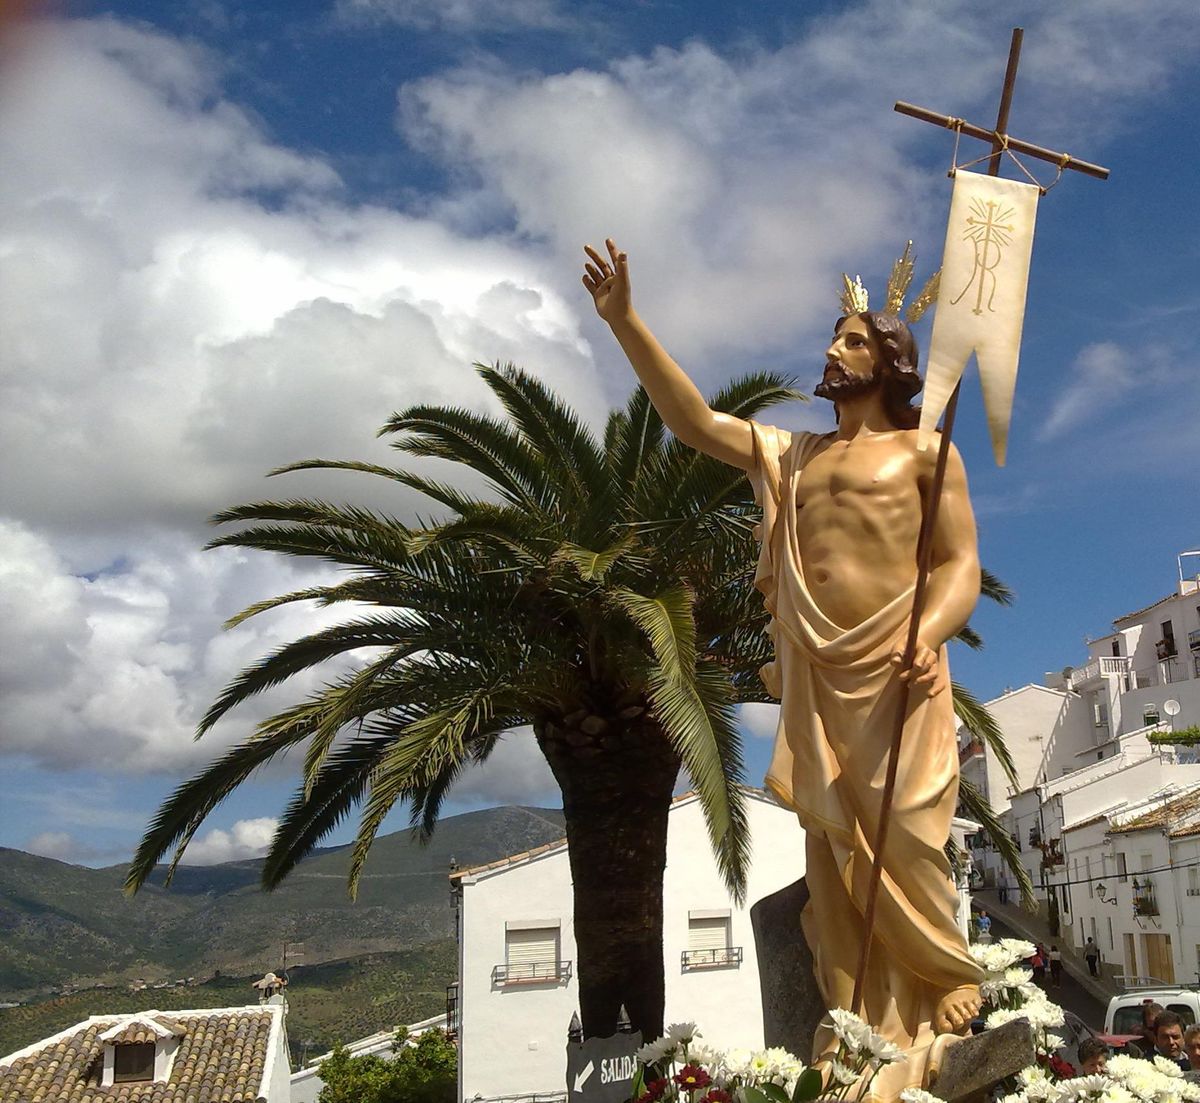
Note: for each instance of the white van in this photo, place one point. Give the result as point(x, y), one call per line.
point(1124, 1016)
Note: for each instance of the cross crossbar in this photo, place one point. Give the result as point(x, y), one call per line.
point(1065, 160)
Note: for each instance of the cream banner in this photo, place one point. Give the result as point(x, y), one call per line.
point(981, 303)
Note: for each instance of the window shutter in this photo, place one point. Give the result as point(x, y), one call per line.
point(530, 946)
point(708, 934)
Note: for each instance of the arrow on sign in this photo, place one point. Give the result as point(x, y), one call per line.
point(582, 1078)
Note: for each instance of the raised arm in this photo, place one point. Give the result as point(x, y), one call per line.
point(675, 397)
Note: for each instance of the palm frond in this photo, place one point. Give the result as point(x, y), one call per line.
point(977, 808)
point(970, 638)
point(991, 587)
point(182, 813)
point(483, 444)
point(666, 619)
point(394, 631)
point(697, 713)
point(317, 809)
point(982, 725)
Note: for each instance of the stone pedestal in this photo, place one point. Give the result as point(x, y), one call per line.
point(792, 1006)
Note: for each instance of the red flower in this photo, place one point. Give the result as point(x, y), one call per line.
point(717, 1095)
point(692, 1078)
point(654, 1091)
point(1064, 1070)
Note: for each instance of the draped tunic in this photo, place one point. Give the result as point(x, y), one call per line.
point(839, 695)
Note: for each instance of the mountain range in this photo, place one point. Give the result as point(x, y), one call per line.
point(67, 925)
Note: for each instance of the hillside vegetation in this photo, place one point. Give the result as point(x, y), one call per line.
point(68, 925)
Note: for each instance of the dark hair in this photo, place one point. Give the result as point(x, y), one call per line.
point(1092, 1047)
point(901, 379)
point(1166, 1018)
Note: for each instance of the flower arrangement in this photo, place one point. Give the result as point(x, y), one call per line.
point(678, 1068)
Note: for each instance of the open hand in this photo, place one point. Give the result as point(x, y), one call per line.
point(924, 669)
point(608, 282)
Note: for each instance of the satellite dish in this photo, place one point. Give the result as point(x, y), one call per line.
point(1171, 707)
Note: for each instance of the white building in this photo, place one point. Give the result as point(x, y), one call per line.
point(1090, 760)
point(1144, 910)
point(517, 986)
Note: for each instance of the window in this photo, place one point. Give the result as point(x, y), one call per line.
point(709, 940)
point(1150, 715)
point(1184, 1011)
point(1168, 638)
point(531, 954)
point(1122, 870)
point(1111, 944)
point(1087, 872)
point(1193, 881)
point(133, 1061)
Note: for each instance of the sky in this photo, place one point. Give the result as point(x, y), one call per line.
point(234, 235)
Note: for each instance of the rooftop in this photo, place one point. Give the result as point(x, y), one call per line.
point(1178, 815)
point(224, 1055)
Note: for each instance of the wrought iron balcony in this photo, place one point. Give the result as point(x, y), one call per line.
point(532, 972)
point(452, 1010)
point(724, 957)
point(1144, 902)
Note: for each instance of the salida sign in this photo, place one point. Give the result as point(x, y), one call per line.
point(601, 1070)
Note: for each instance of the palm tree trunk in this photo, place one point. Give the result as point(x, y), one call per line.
point(617, 780)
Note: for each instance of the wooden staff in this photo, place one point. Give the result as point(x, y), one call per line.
point(1000, 141)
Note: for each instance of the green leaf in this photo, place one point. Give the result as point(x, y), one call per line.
point(776, 1093)
point(753, 1095)
point(808, 1086)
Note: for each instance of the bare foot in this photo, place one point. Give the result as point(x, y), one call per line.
point(956, 1009)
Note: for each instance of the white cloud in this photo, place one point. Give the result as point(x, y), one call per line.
point(245, 839)
point(114, 671)
point(188, 303)
point(65, 847)
point(759, 718)
point(460, 15)
point(516, 772)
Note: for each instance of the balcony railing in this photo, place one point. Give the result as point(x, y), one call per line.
point(532, 972)
point(1105, 666)
point(724, 957)
point(1145, 677)
point(452, 1010)
point(1144, 902)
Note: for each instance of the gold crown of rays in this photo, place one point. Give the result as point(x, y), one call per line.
point(854, 297)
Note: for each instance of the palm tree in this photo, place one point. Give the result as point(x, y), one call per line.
point(603, 596)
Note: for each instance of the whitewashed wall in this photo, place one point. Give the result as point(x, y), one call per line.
point(512, 1040)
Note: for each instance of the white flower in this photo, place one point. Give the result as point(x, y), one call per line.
point(879, 1051)
point(736, 1062)
point(653, 1052)
point(849, 1028)
point(1168, 1067)
point(841, 1074)
point(1016, 1097)
point(1037, 1083)
point(1004, 1015)
point(918, 1095)
point(682, 1032)
point(1049, 1043)
point(1017, 948)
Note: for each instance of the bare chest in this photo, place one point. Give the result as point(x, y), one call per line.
point(879, 471)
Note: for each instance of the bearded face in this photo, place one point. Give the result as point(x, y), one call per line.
point(852, 362)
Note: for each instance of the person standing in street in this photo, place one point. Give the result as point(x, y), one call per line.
point(1091, 954)
point(1056, 966)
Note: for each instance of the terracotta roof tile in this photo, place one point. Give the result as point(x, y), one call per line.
point(1179, 816)
point(222, 1058)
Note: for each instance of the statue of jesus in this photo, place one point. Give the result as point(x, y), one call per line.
point(841, 516)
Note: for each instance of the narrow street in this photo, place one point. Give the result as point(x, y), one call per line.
point(1070, 995)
